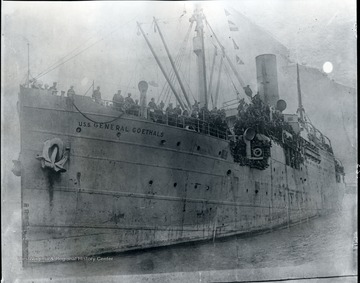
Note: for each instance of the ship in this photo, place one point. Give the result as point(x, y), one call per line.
point(100, 177)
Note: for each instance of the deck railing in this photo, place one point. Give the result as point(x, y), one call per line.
point(158, 116)
point(171, 119)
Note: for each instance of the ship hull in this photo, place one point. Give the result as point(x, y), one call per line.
point(131, 183)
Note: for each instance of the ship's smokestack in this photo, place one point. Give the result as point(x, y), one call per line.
point(143, 87)
point(266, 73)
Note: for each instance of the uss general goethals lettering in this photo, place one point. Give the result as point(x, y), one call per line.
point(121, 128)
point(203, 174)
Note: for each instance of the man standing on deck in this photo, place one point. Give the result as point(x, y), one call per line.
point(248, 91)
point(169, 109)
point(118, 99)
point(152, 108)
point(129, 103)
point(128, 100)
point(178, 110)
point(152, 104)
point(195, 107)
point(53, 88)
point(71, 92)
point(162, 105)
point(97, 95)
point(34, 84)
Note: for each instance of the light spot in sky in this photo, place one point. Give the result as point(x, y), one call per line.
point(328, 67)
point(84, 81)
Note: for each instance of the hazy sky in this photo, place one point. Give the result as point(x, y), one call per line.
point(101, 39)
point(56, 28)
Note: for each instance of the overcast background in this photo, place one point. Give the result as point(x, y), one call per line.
point(99, 41)
point(102, 41)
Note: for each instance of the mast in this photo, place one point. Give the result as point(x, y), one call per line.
point(199, 50)
point(161, 67)
point(211, 76)
point(227, 58)
point(300, 106)
point(28, 73)
point(173, 64)
point(218, 80)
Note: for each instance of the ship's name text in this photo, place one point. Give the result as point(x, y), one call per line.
point(122, 128)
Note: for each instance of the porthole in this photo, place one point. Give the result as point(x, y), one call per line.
point(78, 129)
point(178, 143)
point(228, 172)
point(198, 147)
point(175, 184)
point(220, 152)
point(247, 190)
point(256, 191)
point(150, 182)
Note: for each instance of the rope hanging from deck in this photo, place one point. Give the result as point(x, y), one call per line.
point(83, 114)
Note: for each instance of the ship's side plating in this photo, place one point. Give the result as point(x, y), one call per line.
point(133, 183)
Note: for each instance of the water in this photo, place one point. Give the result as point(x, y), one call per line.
point(324, 244)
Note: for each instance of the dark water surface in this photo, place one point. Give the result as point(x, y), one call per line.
point(325, 241)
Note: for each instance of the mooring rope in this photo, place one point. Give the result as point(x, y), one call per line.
point(113, 120)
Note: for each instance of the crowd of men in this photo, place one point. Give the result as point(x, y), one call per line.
point(126, 104)
point(197, 119)
point(35, 84)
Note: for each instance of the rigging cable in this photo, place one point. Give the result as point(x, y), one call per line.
point(211, 76)
point(96, 42)
point(168, 92)
point(232, 82)
point(189, 71)
point(185, 44)
point(241, 82)
point(226, 69)
point(128, 86)
point(178, 61)
point(72, 51)
point(62, 58)
point(92, 85)
point(188, 85)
